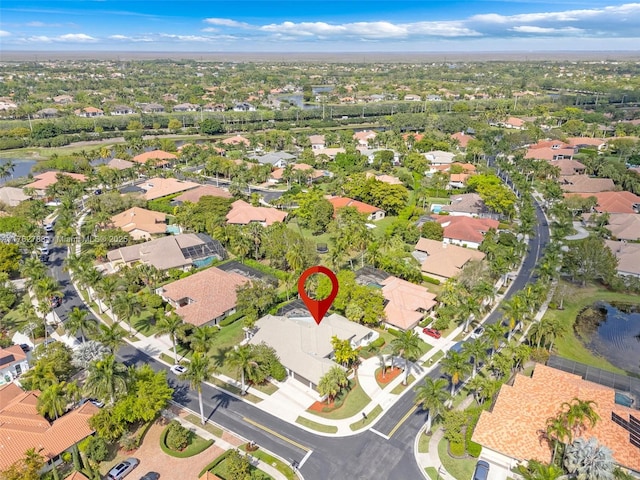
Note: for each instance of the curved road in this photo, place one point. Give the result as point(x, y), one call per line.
point(362, 456)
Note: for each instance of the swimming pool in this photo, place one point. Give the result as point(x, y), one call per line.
point(624, 400)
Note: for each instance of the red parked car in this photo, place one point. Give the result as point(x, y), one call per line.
point(432, 332)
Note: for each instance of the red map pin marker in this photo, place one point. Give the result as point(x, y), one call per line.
point(318, 308)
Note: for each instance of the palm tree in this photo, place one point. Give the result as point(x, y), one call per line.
point(111, 336)
point(45, 289)
point(200, 370)
point(107, 289)
point(578, 414)
point(406, 345)
point(243, 360)
point(40, 376)
point(170, 325)
point(200, 338)
point(556, 432)
point(477, 350)
point(332, 383)
point(53, 400)
point(79, 321)
point(456, 365)
point(432, 395)
point(126, 307)
point(106, 379)
point(586, 459)
point(494, 333)
point(539, 471)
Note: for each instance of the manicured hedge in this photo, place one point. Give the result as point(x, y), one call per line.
point(187, 452)
point(377, 343)
point(428, 279)
point(213, 464)
point(234, 317)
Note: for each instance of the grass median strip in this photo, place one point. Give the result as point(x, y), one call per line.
point(212, 429)
point(400, 387)
point(316, 426)
point(276, 463)
point(235, 390)
point(371, 416)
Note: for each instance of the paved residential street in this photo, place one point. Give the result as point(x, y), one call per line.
point(366, 455)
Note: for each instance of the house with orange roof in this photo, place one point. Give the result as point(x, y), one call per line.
point(13, 363)
point(511, 435)
point(194, 195)
point(442, 260)
point(364, 137)
point(613, 202)
point(406, 303)
point(22, 427)
point(373, 213)
point(462, 139)
point(140, 223)
point(569, 167)
point(237, 140)
point(585, 184)
point(159, 187)
point(312, 173)
point(243, 213)
point(204, 298)
point(329, 152)
point(587, 142)
point(458, 180)
point(390, 179)
point(550, 153)
point(119, 164)
point(412, 135)
point(513, 122)
point(77, 476)
point(466, 231)
point(46, 179)
point(88, 112)
point(156, 158)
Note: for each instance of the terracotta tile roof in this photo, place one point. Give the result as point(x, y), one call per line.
point(210, 293)
point(514, 432)
point(554, 144)
point(466, 229)
point(278, 172)
point(330, 152)
point(49, 178)
point(119, 164)
point(547, 153)
point(407, 302)
point(242, 213)
point(390, 179)
point(585, 184)
point(416, 136)
point(236, 140)
point(578, 141)
point(445, 260)
point(10, 355)
point(137, 218)
point(161, 187)
point(568, 167)
point(364, 136)
point(462, 138)
point(466, 203)
point(76, 476)
point(195, 194)
point(628, 255)
point(22, 428)
point(624, 226)
point(514, 121)
point(155, 155)
point(341, 202)
point(316, 139)
point(612, 202)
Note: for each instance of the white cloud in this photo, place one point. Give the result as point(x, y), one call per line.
point(76, 37)
point(210, 29)
point(4, 33)
point(547, 30)
point(226, 22)
point(37, 24)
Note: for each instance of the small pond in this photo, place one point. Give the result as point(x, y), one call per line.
point(22, 168)
point(612, 331)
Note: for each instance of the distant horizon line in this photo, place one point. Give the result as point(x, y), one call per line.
point(290, 56)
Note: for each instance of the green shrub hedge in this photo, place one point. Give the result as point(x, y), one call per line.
point(213, 464)
point(192, 449)
point(456, 449)
point(377, 343)
point(234, 317)
point(428, 279)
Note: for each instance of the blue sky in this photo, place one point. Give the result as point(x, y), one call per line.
point(312, 26)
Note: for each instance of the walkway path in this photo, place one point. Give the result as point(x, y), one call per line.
point(582, 232)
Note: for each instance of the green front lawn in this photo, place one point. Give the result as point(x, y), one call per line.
point(371, 416)
point(423, 443)
point(575, 299)
point(320, 427)
point(460, 469)
point(223, 341)
point(353, 403)
point(276, 463)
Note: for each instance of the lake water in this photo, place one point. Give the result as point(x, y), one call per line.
point(22, 167)
point(613, 332)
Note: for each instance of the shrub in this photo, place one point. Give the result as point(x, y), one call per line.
point(441, 323)
point(128, 442)
point(234, 317)
point(540, 355)
point(213, 464)
point(456, 449)
point(394, 332)
point(96, 449)
point(428, 279)
point(278, 372)
point(178, 437)
point(377, 343)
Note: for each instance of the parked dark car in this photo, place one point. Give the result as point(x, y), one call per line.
point(56, 301)
point(25, 348)
point(482, 470)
